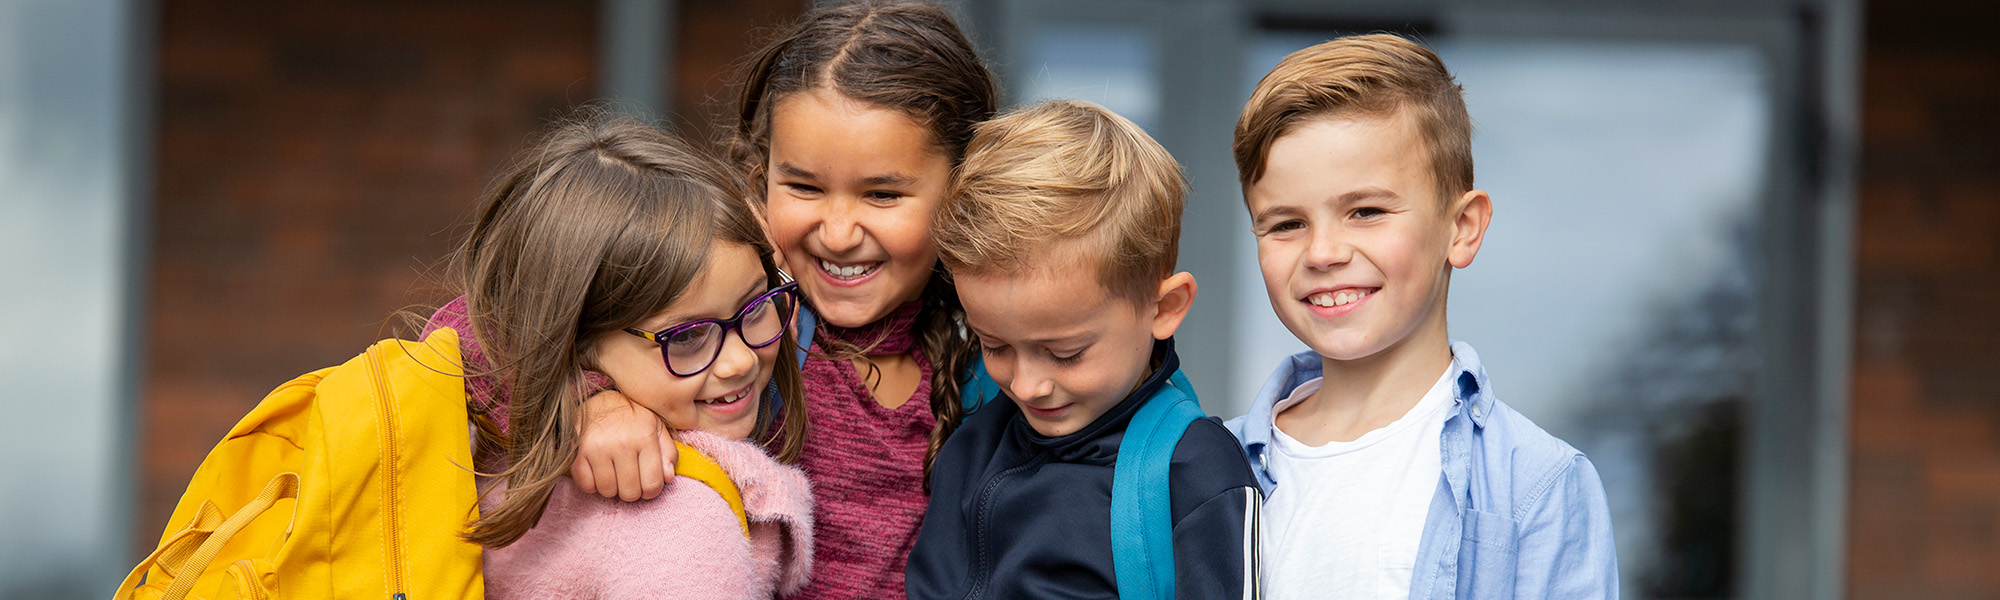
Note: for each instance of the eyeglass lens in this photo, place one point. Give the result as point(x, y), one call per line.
point(691, 350)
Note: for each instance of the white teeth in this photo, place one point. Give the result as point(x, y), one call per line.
point(1340, 298)
point(846, 272)
point(727, 399)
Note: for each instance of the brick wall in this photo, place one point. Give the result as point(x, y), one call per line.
point(313, 163)
point(1925, 503)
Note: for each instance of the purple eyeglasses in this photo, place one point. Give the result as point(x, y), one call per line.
point(761, 323)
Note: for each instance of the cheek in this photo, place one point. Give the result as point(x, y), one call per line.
point(905, 232)
point(790, 221)
point(1000, 368)
point(1410, 255)
point(1275, 263)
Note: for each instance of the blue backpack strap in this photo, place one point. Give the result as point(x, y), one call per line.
point(1142, 527)
point(807, 324)
point(979, 388)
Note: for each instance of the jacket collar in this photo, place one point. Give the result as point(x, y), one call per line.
point(1115, 418)
point(1472, 399)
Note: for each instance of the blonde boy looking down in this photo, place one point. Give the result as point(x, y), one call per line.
point(1061, 232)
point(1391, 468)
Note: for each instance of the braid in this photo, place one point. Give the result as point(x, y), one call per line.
point(942, 336)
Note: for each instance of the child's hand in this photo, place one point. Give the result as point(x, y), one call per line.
point(621, 454)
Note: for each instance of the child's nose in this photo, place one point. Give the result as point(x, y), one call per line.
point(841, 230)
point(1327, 251)
point(1029, 385)
point(736, 359)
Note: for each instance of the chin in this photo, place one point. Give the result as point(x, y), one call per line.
point(1048, 429)
point(848, 314)
point(1341, 345)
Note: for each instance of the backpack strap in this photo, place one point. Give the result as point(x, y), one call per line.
point(979, 388)
point(808, 323)
point(1142, 528)
point(694, 465)
point(804, 327)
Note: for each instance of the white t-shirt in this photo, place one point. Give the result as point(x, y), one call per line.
point(1347, 516)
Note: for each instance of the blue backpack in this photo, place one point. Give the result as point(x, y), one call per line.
point(1142, 520)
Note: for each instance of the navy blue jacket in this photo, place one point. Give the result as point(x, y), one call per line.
point(1014, 514)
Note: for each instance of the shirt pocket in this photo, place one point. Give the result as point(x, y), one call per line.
point(1487, 556)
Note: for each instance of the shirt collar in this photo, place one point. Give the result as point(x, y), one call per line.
point(1472, 393)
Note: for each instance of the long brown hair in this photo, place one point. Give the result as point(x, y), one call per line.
point(899, 55)
point(601, 224)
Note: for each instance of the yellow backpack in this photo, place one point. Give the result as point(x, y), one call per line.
point(348, 482)
point(361, 488)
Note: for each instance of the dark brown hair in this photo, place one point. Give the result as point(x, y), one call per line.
point(601, 224)
point(899, 55)
point(1375, 74)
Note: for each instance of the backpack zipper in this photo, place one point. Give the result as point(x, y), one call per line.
point(391, 467)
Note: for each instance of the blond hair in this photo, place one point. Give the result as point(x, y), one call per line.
point(1376, 74)
point(1065, 171)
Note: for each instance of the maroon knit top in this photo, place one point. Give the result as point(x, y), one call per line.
point(866, 464)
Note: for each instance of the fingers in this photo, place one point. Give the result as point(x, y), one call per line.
point(605, 470)
point(652, 472)
point(629, 488)
point(580, 474)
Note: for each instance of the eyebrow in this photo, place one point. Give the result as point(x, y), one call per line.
point(886, 179)
point(792, 170)
point(1275, 212)
point(891, 179)
point(1367, 193)
point(675, 319)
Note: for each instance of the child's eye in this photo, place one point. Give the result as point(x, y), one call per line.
point(884, 197)
point(1287, 226)
point(1067, 360)
point(991, 350)
point(800, 189)
point(1368, 211)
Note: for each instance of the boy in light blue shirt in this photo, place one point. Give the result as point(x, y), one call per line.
point(1390, 468)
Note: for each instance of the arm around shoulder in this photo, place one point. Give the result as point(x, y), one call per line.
point(1565, 547)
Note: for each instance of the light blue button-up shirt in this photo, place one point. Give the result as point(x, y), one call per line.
point(1517, 513)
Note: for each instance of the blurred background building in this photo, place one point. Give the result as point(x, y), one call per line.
point(1746, 254)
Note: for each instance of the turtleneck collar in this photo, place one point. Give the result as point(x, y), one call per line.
point(891, 334)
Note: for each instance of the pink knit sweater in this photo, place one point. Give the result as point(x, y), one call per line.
point(867, 465)
point(684, 544)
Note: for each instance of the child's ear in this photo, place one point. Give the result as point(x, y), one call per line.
point(1176, 296)
point(1470, 214)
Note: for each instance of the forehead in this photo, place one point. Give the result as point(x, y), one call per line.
point(1049, 301)
point(823, 129)
point(730, 271)
point(1327, 156)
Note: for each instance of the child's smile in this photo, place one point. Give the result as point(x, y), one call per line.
point(1355, 244)
point(851, 190)
point(721, 398)
point(1063, 347)
point(1334, 302)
